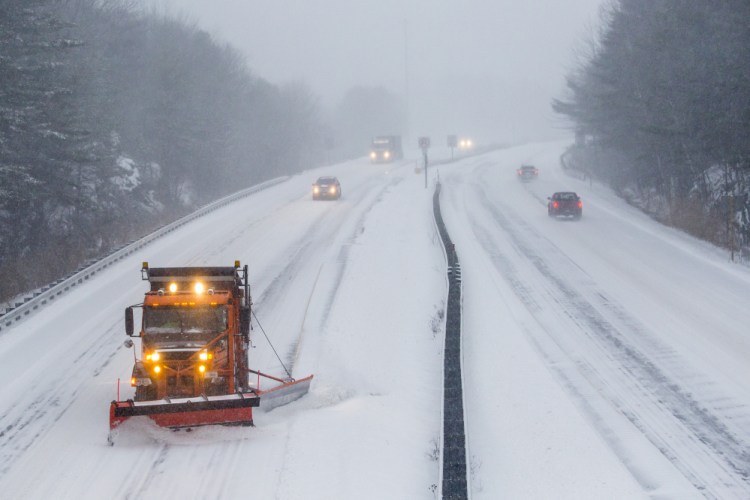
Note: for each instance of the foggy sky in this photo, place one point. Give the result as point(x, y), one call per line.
point(486, 68)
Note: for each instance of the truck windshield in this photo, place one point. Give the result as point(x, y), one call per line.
point(184, 320)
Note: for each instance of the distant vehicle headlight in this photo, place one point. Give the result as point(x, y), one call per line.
point(373, 155)
point(387, 154)
point(332, 190)
point(316, 190)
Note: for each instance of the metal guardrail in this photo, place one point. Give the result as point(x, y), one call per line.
point(454, 479)
point(42, 296)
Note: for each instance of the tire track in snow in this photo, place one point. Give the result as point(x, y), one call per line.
point(315, 239)
point(139, 480)
point(699, 441)
point(23, 423)
point(340, 268)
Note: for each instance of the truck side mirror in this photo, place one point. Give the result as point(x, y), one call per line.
point(129, 321)
point(245, 322)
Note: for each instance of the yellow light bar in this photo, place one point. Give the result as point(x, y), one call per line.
point(145, 265)
point(236, 263)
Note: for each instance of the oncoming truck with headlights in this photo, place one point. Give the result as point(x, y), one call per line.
point(386, 148)
point(195, 334)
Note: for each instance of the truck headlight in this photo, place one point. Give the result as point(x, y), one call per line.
point(387, 154)
point(203, 356)
point(373, 155)
point(140, 382)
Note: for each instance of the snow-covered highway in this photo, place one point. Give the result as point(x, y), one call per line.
point(613, 323)
point(603, 358)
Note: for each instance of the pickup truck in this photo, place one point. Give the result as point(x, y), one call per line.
point(567, 204)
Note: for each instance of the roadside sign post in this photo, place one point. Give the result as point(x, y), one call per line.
point(452, 143)
point(424, 145)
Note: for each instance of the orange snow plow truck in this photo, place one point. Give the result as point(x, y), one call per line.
point(195, 336)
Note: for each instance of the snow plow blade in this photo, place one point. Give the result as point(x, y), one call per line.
point(288, 391)
point(188, 412)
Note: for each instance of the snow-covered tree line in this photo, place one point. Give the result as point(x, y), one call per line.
point(661, 105)
point(113, 122)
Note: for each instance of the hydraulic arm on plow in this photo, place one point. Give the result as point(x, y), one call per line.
point(195, 336)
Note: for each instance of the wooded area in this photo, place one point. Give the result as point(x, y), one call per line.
point(660, 103)
point(114, 122)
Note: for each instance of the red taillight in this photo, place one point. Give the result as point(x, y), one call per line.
point(555, 204)
point(580, 204)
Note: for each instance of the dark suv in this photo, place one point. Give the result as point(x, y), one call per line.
point(326, 187)
point(565, 204)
